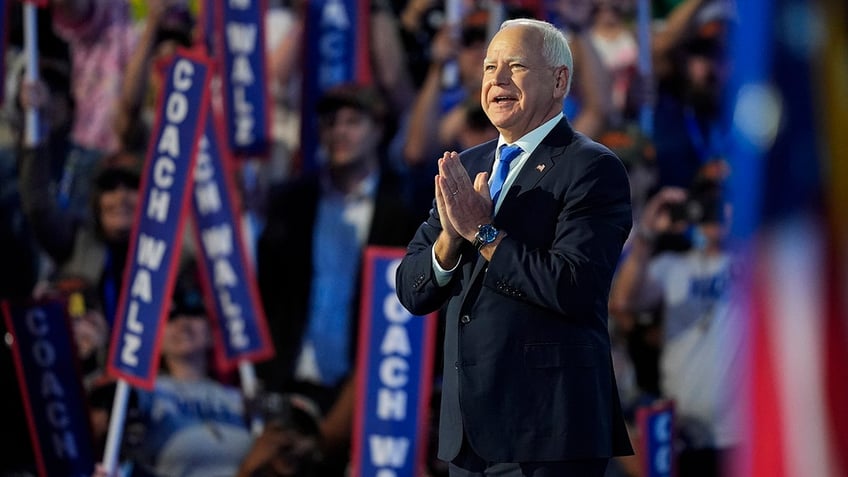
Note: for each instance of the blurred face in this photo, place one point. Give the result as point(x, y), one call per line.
point(350, 136)
point(701, 72)
point(90, 332)
point(471, 55)
point(186, 335)
point(705, 77)
point(117, 212)
point(293, 449)
point(520, 91)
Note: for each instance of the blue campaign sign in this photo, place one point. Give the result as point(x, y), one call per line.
point(241, 331)
point(51, 388)
point(394, 372)
point(336, 51)
point(150, 270)
point(242, 35)
point(656, 426)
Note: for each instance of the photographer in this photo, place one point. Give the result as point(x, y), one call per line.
point(289, 443)
point(701, 338)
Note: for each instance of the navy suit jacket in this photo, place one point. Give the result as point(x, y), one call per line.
point(527, 366)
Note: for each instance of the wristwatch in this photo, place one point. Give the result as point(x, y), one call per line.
point(486, 234)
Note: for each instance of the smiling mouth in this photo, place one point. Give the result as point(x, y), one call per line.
point(502, 99)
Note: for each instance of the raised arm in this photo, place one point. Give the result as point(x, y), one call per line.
point(670, 35)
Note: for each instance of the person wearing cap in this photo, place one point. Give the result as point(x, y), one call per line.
point(518, 253)
point(309, 254)
point(701, 338)
point(289, 443)
point(192, 423)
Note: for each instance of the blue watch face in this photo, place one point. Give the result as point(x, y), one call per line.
point(487, 233)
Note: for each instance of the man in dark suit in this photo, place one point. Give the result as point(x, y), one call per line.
point(309, 253)
point(528, 385)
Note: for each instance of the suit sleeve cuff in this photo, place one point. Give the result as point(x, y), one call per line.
point(441, 275)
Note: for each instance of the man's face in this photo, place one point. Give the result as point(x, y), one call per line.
point(117, 212)
point(705, 83)
point(349, 135)
point(186, 335)
point(520, 91)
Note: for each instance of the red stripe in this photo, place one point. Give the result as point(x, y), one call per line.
point(37, 452)
point(836, 354)
point(362, 67)
point(766, 434)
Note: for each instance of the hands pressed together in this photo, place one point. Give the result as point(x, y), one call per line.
point(462, 206)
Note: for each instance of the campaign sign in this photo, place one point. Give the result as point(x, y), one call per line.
point(242, 35)
point(394, 375)
point(336, 43)
point(150, 270)
point(656, 426)
point(241, 331)
point(51, 388)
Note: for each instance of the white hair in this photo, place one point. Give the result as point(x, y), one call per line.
point(555, 49)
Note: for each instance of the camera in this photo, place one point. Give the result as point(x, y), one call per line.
point(698, 209)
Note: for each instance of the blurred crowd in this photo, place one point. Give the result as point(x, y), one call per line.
point(68, 202)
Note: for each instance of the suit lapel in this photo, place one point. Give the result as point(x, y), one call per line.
point(540, 163)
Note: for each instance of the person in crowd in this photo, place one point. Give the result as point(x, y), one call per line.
point(287, 57)
point(474, 127)
point(587, 104)
point(89, 328)
point(690, 58)
point(289, 445)
point(309, 252)
point(702, 340)
point(192, 422)
point(19, 250)
point(520, 253)
point(94, 251)
point(168, 25)
point(419, 21)
point(101, 39)
point(614, 41)
point(438, 108)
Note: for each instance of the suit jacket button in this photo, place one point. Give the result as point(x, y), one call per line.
point(465, 319)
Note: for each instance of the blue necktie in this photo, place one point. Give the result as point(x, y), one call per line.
point(508, 153)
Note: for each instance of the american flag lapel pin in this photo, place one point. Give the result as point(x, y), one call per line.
point(540, 167)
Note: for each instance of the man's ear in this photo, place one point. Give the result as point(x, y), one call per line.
point(562, 77)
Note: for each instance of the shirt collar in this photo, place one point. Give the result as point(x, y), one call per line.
point(366, 188)
point(530, 141)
